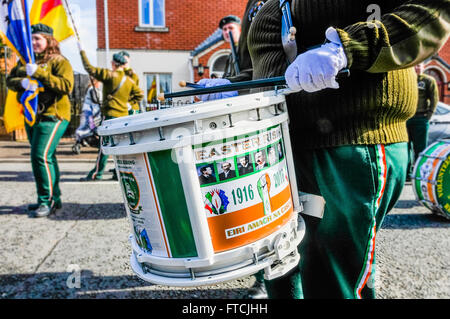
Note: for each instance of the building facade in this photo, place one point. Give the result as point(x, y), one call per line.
point(439, 68)
point(160, 36)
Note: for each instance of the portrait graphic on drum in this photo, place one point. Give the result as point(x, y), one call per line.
point(206, 174)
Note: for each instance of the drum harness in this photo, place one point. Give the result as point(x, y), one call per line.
point(313, 205)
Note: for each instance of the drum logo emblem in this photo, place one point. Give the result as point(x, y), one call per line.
point(131, 190)
point(216, 202)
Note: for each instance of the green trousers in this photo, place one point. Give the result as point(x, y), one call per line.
point(360, 184)
point(102, 160)
point(418, 133)
point(44, 138)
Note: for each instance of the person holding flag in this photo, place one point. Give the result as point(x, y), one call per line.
point(119, 90)
point(55, 82)
point(135, 109)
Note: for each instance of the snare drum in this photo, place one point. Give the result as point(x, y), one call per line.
point(431, 175)
point(208, 190)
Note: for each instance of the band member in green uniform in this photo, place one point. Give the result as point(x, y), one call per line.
point(419, 124)
point(135, 109)
point(118, 91)
point(55, 74)
point(349, 137)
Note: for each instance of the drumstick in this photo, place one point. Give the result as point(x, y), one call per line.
point(189, 84)
point(253, 84)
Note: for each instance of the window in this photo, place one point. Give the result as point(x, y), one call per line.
point(156, 84)
point(152, 13)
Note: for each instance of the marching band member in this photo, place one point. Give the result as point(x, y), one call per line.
point(349, 139)
point(118, 91)
point(55, 74)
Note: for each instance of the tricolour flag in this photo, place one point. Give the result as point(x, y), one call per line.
point(52, 14)
point(15, 31)
point(152, 92)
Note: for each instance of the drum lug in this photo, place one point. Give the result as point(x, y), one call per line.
point(161, 134)
point(132, 142)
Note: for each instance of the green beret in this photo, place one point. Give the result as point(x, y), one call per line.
point(41, 28)
point(125, 53)
point(229, 19)
point(119, 58)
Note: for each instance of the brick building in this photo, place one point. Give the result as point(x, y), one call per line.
point(160, 36)
point(439, 68)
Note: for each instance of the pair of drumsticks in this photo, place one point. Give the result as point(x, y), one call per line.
point(199, 90)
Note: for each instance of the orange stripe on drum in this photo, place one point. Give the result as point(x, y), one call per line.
point(155, 196)
point(245, 226)
point(430, 188)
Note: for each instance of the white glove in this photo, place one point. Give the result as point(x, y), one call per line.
point(207, 83)
point(29, 85)
point(316, 69)
point(80, 46)
point(31, 68)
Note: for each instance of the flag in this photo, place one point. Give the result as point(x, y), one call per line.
point(51, 13)
point(15, 31)
point(152, 92)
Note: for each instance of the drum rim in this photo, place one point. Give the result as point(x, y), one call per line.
point(435, 207)
point(196, 111)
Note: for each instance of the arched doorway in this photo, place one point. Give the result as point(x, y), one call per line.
point(217, 63)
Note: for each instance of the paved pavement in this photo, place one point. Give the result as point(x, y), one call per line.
point(83, 250)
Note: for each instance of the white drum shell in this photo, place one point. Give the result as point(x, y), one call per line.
point(180, 128)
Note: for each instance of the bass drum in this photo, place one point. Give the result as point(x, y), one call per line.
point(431, 178)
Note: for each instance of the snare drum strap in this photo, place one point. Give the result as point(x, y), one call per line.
point(313, 205)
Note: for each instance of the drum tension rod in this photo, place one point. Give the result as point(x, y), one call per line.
point(229, 118)
point(192, 273)
point(112, 141)
point(132, 142)
point(161, 134)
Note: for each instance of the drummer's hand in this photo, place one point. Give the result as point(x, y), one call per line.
point(31, 68)
point(207, 83)
point(316, 69)
point(29, 85)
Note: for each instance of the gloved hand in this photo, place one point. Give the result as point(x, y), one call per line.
point(80, 46)
point(31, 68)
point(316, 69)
point(207, 83)
point(29, 85)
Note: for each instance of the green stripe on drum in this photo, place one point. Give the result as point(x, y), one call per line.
point(167, 180)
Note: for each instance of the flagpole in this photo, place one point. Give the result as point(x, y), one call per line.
point(72, 20)
point(66, 7)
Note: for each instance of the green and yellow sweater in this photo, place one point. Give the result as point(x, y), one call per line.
point(56, 75)
point(117, 104)
point(245, 62)
point(374, 103)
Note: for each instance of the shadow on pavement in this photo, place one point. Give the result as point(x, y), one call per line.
point(66, 176)
point(414, 221)
point(84, 284)
point(74, 211)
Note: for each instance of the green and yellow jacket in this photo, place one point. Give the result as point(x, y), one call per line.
point(130, 72)
point(374, 103)
point(114, 105)
point(56, 75)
